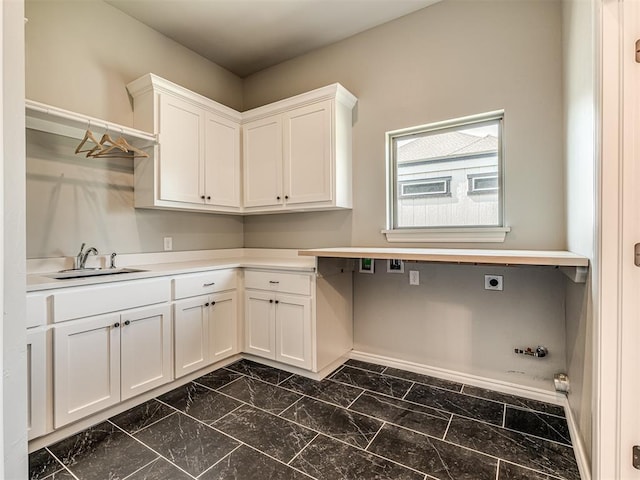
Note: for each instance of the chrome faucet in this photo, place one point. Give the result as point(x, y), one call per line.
point(81, 258)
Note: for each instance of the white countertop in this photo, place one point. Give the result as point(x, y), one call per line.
point(557, 258)
point(165, 264)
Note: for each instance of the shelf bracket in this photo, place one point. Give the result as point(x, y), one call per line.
point(576, 274)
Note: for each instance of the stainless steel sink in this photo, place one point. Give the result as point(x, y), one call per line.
point(91, 272)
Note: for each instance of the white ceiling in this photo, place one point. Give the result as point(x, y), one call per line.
point(246, 36)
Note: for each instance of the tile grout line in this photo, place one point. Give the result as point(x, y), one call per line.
point(147, 426)
point(550, 475)
point(302, 450)
point(145, 465)
point(504, 416)
point(153, 450)
point(313, 430)
point(220, 460)
point(498, 470)
point(374, 437)
point(413, 384)
point(287, 408)
point(446, 430)
point(348, 407)
point(460, 391)
point(64, 467)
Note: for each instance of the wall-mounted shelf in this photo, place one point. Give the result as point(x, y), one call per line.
point(47, 118)
point(573, 265)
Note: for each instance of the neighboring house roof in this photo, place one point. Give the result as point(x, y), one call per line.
point(444, 145)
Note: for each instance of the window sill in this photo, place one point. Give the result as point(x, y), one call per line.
point(450, 235)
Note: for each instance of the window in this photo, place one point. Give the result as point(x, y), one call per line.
point(431, 187)
point(447, 177)
point(483, 183)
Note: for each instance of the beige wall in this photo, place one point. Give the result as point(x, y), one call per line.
point(79, 56)
point(449, 60)
point(452, 59)
point(579, 105)
point(449, 321)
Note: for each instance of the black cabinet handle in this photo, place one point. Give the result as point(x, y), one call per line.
point(202, 197)
point(271, 300)
point(206, 304)
point(286, 197)
point(208, 284)
point(277, 301)
point(127, 322)
point(213, 303)
point(278, 197)
point(116, 325)
point(208, 197)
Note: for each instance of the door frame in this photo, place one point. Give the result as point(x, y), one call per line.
point(616, 300)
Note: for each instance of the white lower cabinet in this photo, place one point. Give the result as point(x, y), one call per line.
point(205, 331)
point(36, 381)
point(101, 360)
point(278, 325)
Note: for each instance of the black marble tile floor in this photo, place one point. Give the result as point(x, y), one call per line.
point(364, 422)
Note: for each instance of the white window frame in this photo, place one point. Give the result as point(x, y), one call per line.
point(480, 233)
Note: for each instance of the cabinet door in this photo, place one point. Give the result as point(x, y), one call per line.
point(262, 154)
point(145, 345)
point(190, 335)
point(180, 151)
point(36, 382)
point(308, 172)
point(259, 323)
point(223, 326)
point(222, 161)
point(293, 330)
point(86, 367)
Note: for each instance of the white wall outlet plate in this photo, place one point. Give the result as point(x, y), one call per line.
point(493, 282)
point(168, 244)
point(414, 277)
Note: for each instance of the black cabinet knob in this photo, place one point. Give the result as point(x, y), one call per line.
point(271, 300)
point(278, 197)
point(286, 197)
point(206, 304)
point(127, 322)
point(208, 197)
point(213, 303)
point(202, 197)
point(116, 325)
point(277, 301)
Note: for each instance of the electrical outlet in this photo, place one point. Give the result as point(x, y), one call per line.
point(493, 282)
point(168, 244)
point(414, 277)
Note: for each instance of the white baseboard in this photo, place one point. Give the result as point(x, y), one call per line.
point(532, 393)
point(584, 465)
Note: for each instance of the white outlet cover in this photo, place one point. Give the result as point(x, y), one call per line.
point(414, 277)
point(168, 244)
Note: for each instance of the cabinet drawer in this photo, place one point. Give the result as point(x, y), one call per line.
point(203, 283)
point(95, 300)
point(299, 284)
point(36, 309)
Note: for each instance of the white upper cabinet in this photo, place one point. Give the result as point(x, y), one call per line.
point(180, 150)
point(262, 155)
point(297, 153)
point(196, 165)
